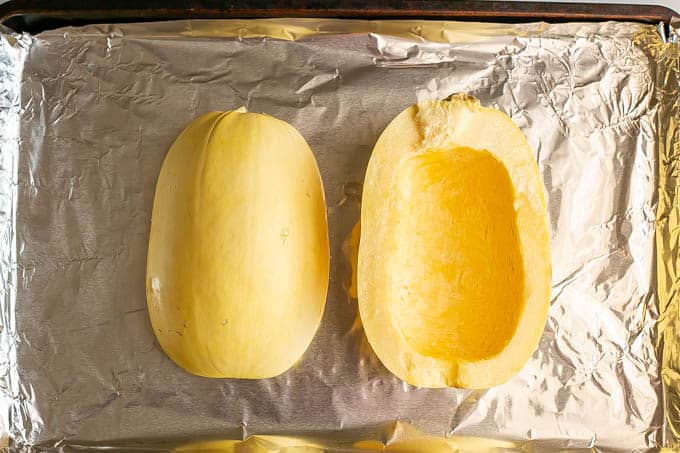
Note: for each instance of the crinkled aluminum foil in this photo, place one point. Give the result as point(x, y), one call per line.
point(88, 114)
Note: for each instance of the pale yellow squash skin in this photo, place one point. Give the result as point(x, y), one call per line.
point(454, 259)
point(238, 260)
point(255, 444)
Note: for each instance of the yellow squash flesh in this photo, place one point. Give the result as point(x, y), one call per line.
point(454, 258)
point(238, 260)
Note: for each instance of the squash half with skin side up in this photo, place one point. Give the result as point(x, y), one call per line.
point(238, 260)
point(454, 259)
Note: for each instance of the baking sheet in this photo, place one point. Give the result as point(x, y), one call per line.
point(88, 114)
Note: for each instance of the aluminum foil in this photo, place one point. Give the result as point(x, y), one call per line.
point(88, 114)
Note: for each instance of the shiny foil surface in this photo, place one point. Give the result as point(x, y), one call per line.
point(88, 114)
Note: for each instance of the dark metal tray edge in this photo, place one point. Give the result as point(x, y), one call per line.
point(38, 15)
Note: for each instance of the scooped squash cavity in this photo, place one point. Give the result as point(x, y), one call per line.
point(454, 258)
point(238, 258)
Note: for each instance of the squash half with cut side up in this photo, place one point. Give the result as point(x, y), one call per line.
point(454, 259)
